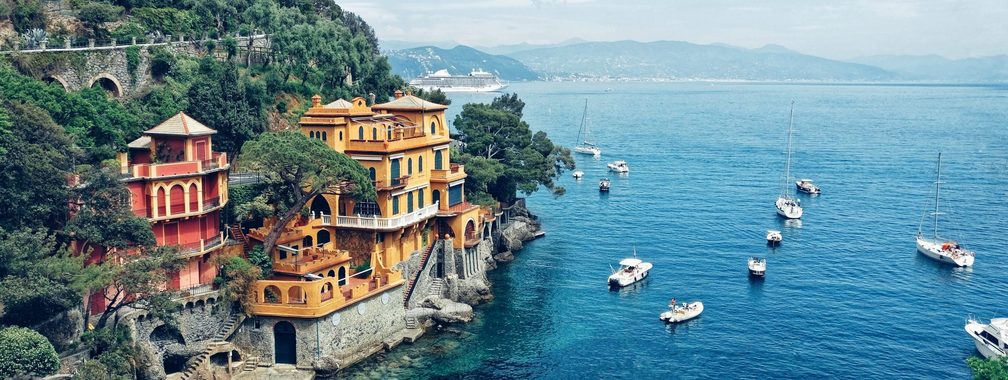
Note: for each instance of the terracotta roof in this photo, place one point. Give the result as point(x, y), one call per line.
point(410, 102)
point(140, 143)
point(339, 103)
point(180, 125)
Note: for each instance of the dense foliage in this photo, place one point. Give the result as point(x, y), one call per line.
point(295, 169)
point(502, 155)
point(237, 281)
point(24, 351)
point(988, 369)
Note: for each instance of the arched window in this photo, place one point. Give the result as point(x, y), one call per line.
point(433, 128)
point(437, 160)
point(409, 202)
point(325, 136)
point(374, 133)
point(371, 173)
point(395, 205)
point(420, 164)
point(360, 133)
point(420, 200)
point(389, 133)
point(409, 166)
point(311, 134)
point(340, 135)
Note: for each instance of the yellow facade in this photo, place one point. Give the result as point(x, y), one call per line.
point(404, 144)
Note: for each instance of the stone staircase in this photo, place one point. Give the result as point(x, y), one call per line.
point(436, 287)
point(411, 286)
point(219, 339)
point(250, 364)
point(411, 323)
point(237, 234)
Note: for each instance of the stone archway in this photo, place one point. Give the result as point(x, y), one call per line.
point(50, 79)
point(109, 83)
point(284, 343)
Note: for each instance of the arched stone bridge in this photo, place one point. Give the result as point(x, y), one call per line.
point(76, 68)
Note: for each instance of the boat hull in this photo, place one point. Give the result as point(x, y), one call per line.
point(987, 349)
point(933, 250)
point(808, 189)
point(619, 280)
point(587, 150)
point(788, 210)
point(682, 315)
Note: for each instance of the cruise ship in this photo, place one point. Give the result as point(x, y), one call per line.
point(477, 81)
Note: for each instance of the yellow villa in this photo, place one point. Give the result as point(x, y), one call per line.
point(346, 251)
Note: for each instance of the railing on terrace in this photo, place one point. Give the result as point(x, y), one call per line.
point(310, 260)
point(310, 299)
point(376, 223)
point(394, 183)
point(203, 245)
point(176, 168)
point(443, 174)
point(93, 44)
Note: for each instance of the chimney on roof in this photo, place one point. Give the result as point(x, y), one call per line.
point(398, 94)
point(316, 100)
point(372, 96)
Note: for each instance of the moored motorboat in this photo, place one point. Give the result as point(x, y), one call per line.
point(619, 166)
point(603, 185)
point(577, 174)
point(630, 271)
point(774, 237)
point(806, 186)
point(937, 248)
point(757, 266)
point(991, 339)
point(681, 312)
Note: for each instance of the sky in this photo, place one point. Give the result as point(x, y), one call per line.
point(841, 29)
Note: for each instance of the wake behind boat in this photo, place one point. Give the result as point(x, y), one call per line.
point(990, 339)
point(787, 205)
point(937, 248)
point(681, 312)
point(631, 270)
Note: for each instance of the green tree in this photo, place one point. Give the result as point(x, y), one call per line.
point(94, 15)
point(237, 281)
point(434, 96)
point(496, 132)
point(222, 100)
point(988, 369)
point(24, 351)
point(105, 218)
point(294, 170)
point(28, 15)
point(36, 157)
point(138, 282)
point(37, 277)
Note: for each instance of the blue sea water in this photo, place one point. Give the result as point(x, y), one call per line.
point(845, 296)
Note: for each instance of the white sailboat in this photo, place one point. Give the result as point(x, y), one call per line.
point(586, 146)
point(788, 205)
point(944, 250)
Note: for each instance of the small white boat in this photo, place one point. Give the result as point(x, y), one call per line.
point(757, 266)
point(577, 174)
point(619, 166)
point(774, 237)
point(937, 248)
point(806, 186)
point(681, 312)
point(603, 185)
point(631, 270)
point(991, 339)
point(787, 205)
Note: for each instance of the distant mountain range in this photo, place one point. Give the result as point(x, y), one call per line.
point(933, 68)
point(676, 60)
point(459, 60)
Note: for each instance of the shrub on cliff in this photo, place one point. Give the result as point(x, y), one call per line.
point(24, 351)
point(237, 281)
point(988, 369)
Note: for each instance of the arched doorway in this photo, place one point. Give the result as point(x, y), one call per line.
point(341, 279)
point(437, 160)
point(436, 196)
point(322, 237)
point(284, 343)
point(319, 206)
point(470, 230)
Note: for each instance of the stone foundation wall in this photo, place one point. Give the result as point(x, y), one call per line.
point(334, 341)
point(197, 323)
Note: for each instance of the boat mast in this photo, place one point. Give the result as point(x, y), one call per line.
point(937, 190)
point(787, 167)
point(584, 117)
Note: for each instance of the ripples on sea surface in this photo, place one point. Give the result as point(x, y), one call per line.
point(845, 296)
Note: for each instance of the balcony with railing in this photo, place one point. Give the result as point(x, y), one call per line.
point(311, 260)
point(169, 169)
point(381, 224)
point(391, 184)
point(453, 173)
point(402, 138)
point(312, 299)
point(202, 246)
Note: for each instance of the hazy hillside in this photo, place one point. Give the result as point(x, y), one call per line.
point(941, 69)
point(410, 63)
point(683, 60)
